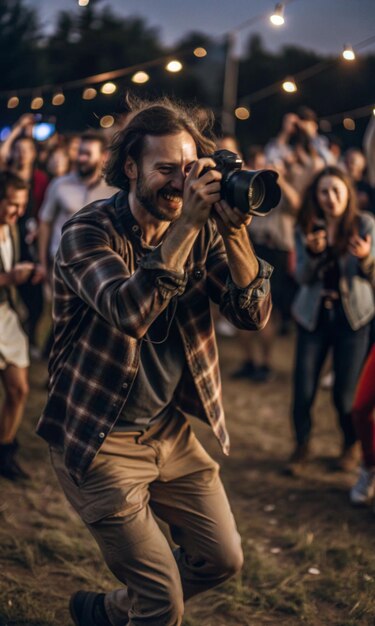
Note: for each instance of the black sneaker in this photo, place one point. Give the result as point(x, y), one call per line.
point(297, 460)
point(9, 466)
point(13, 471)
point(87, 609)
point(261, 374)
point(245, 371)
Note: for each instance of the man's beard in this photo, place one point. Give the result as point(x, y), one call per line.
point(86, 171)
point(148, 201)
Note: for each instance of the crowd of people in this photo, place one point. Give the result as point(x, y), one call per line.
point(320, 240)
point(315, 254)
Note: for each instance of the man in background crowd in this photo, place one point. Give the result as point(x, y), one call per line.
point(68, 194)
point(355, 163)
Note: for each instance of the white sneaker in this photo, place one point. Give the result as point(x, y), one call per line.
point(363, 491)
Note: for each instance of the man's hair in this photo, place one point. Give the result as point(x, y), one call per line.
point(157, 118)
point(27, 138)
point(253, 152)
point(307, 114)
point(92, 135)
point(9, 179)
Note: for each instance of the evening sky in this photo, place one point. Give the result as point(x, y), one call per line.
point(319, 25)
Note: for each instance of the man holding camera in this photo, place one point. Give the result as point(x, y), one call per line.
point(299, 148)
point(135, 353)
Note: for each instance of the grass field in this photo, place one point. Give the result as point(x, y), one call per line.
point(309, 556)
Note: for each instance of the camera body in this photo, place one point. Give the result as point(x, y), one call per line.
point(254, 192)
point(319, 225)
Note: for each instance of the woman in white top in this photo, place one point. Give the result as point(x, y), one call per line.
point(14, 356)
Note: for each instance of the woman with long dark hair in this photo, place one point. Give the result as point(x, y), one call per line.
point(334, 306)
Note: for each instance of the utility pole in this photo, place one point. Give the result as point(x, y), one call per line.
point(232, 66)
point(230, 85)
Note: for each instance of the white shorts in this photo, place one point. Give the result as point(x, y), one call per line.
point(14, 345)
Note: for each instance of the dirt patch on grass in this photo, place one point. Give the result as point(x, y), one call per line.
point(309, 556)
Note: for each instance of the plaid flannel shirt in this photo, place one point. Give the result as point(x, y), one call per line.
point(107, 293)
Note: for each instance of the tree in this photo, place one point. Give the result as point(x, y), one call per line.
point(96, 41)
point(19, 39)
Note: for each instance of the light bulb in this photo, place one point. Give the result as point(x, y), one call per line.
point(242, 113)
point(89, 93)
point(37, 103)
point(349, 123)
point(140, 78)
point(200, 52)
point(289, 85)
point(13, 102)
point(107, 121)
point(108, 88)
point(348, 53)
point(58, 99)
point(174, 66)
point(277, 17)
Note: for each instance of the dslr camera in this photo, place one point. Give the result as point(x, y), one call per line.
point(255, 192)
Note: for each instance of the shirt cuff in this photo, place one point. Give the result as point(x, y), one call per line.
point(258, 288)
point(169, 282)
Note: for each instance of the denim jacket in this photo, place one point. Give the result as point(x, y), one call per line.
point(356, 284)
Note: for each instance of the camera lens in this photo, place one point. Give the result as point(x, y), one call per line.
point(255, 192)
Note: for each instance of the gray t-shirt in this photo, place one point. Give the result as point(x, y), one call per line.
point(65, 196)
point(160, 371)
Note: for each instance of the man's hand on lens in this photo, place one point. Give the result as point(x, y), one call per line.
point(230, 220)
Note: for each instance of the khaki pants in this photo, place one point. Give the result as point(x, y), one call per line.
point(167, 472)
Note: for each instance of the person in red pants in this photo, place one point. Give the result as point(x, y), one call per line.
point(363, 418)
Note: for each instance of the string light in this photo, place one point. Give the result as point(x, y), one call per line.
point(140, 78)
point(13, 102)
point(83, 3)
point(289, 85)
point(242, 113)
point(200, 52)
point(108, 88)
point(373, 111)
point(58, 99)
point(107, 121)
point(174, 66)
point(348, 53)
point(277, 17)
point(89, 93)
point(349, 123)
point(37, 103)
